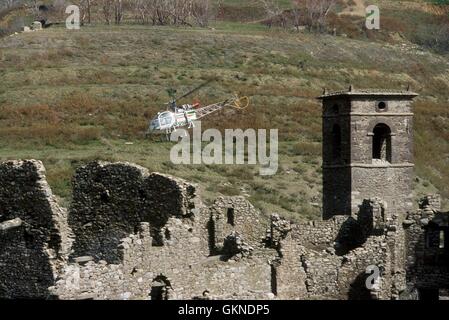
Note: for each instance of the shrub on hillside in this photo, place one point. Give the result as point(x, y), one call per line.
point(434, 36)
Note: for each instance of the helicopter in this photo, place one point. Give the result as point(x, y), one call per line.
point(179, 116)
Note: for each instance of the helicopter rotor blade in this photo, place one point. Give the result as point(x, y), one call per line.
point(194, 90)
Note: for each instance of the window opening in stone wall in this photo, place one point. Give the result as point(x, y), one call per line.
point(382, 143)
point(442, 239)
point(274, 288)
point(167, 234)
point(336, 109)
point(230, 216)
point(160, 288)
point(432, 237)
point(429, 294)
point(336, 142)
point(382, 105)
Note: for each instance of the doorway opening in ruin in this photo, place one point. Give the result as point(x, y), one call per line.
point(211, 236)
point(436, 245)
point(432, 238)
point(274, 282)
point(167, 234)
point(230, 216)
point(358, 289)
point(382, 143)
point(160, 288)
point(427, 294)
point(336, 142)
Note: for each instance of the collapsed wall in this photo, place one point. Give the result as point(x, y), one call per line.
point(141, 235)
point(131, 234)
point(110, 201)
point(34, 237)
point(427, 248)
point(313, 267)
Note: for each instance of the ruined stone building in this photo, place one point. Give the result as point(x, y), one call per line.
point(132, 234)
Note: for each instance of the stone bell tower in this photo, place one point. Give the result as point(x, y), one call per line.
point(367, 150)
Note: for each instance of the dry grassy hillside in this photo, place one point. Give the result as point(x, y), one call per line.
point(71, 97)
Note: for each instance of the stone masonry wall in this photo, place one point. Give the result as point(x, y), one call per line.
point(236, 215)
point(426, 251)
point(111, 200)
point(312, 253)
point(131, 234)
point(34, 238)
point(353, 174)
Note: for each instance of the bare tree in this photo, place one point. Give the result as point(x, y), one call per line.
point(106, 7)
point(201, 11)
point(118, 11)
point(296, 15)
point(89, 10)
point(172, 12)
point(142, 11)
point(180, 11)
point(85, 10)
point(272, 11)
point(9, 4)
point(316, 12)
point(59, 8)
point(163, 11)
point(36, 5)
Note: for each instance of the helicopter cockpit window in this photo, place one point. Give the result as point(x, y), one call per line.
point(166, 119)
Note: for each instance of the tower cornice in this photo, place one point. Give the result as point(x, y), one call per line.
point(368, 114)
point(371, 93)
point(369, 165)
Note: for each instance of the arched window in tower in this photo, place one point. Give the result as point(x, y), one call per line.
point(382, 143)
point(336, 142)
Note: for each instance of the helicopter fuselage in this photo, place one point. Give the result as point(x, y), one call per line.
point(168, 121)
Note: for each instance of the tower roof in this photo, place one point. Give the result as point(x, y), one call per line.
point(368, 93)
